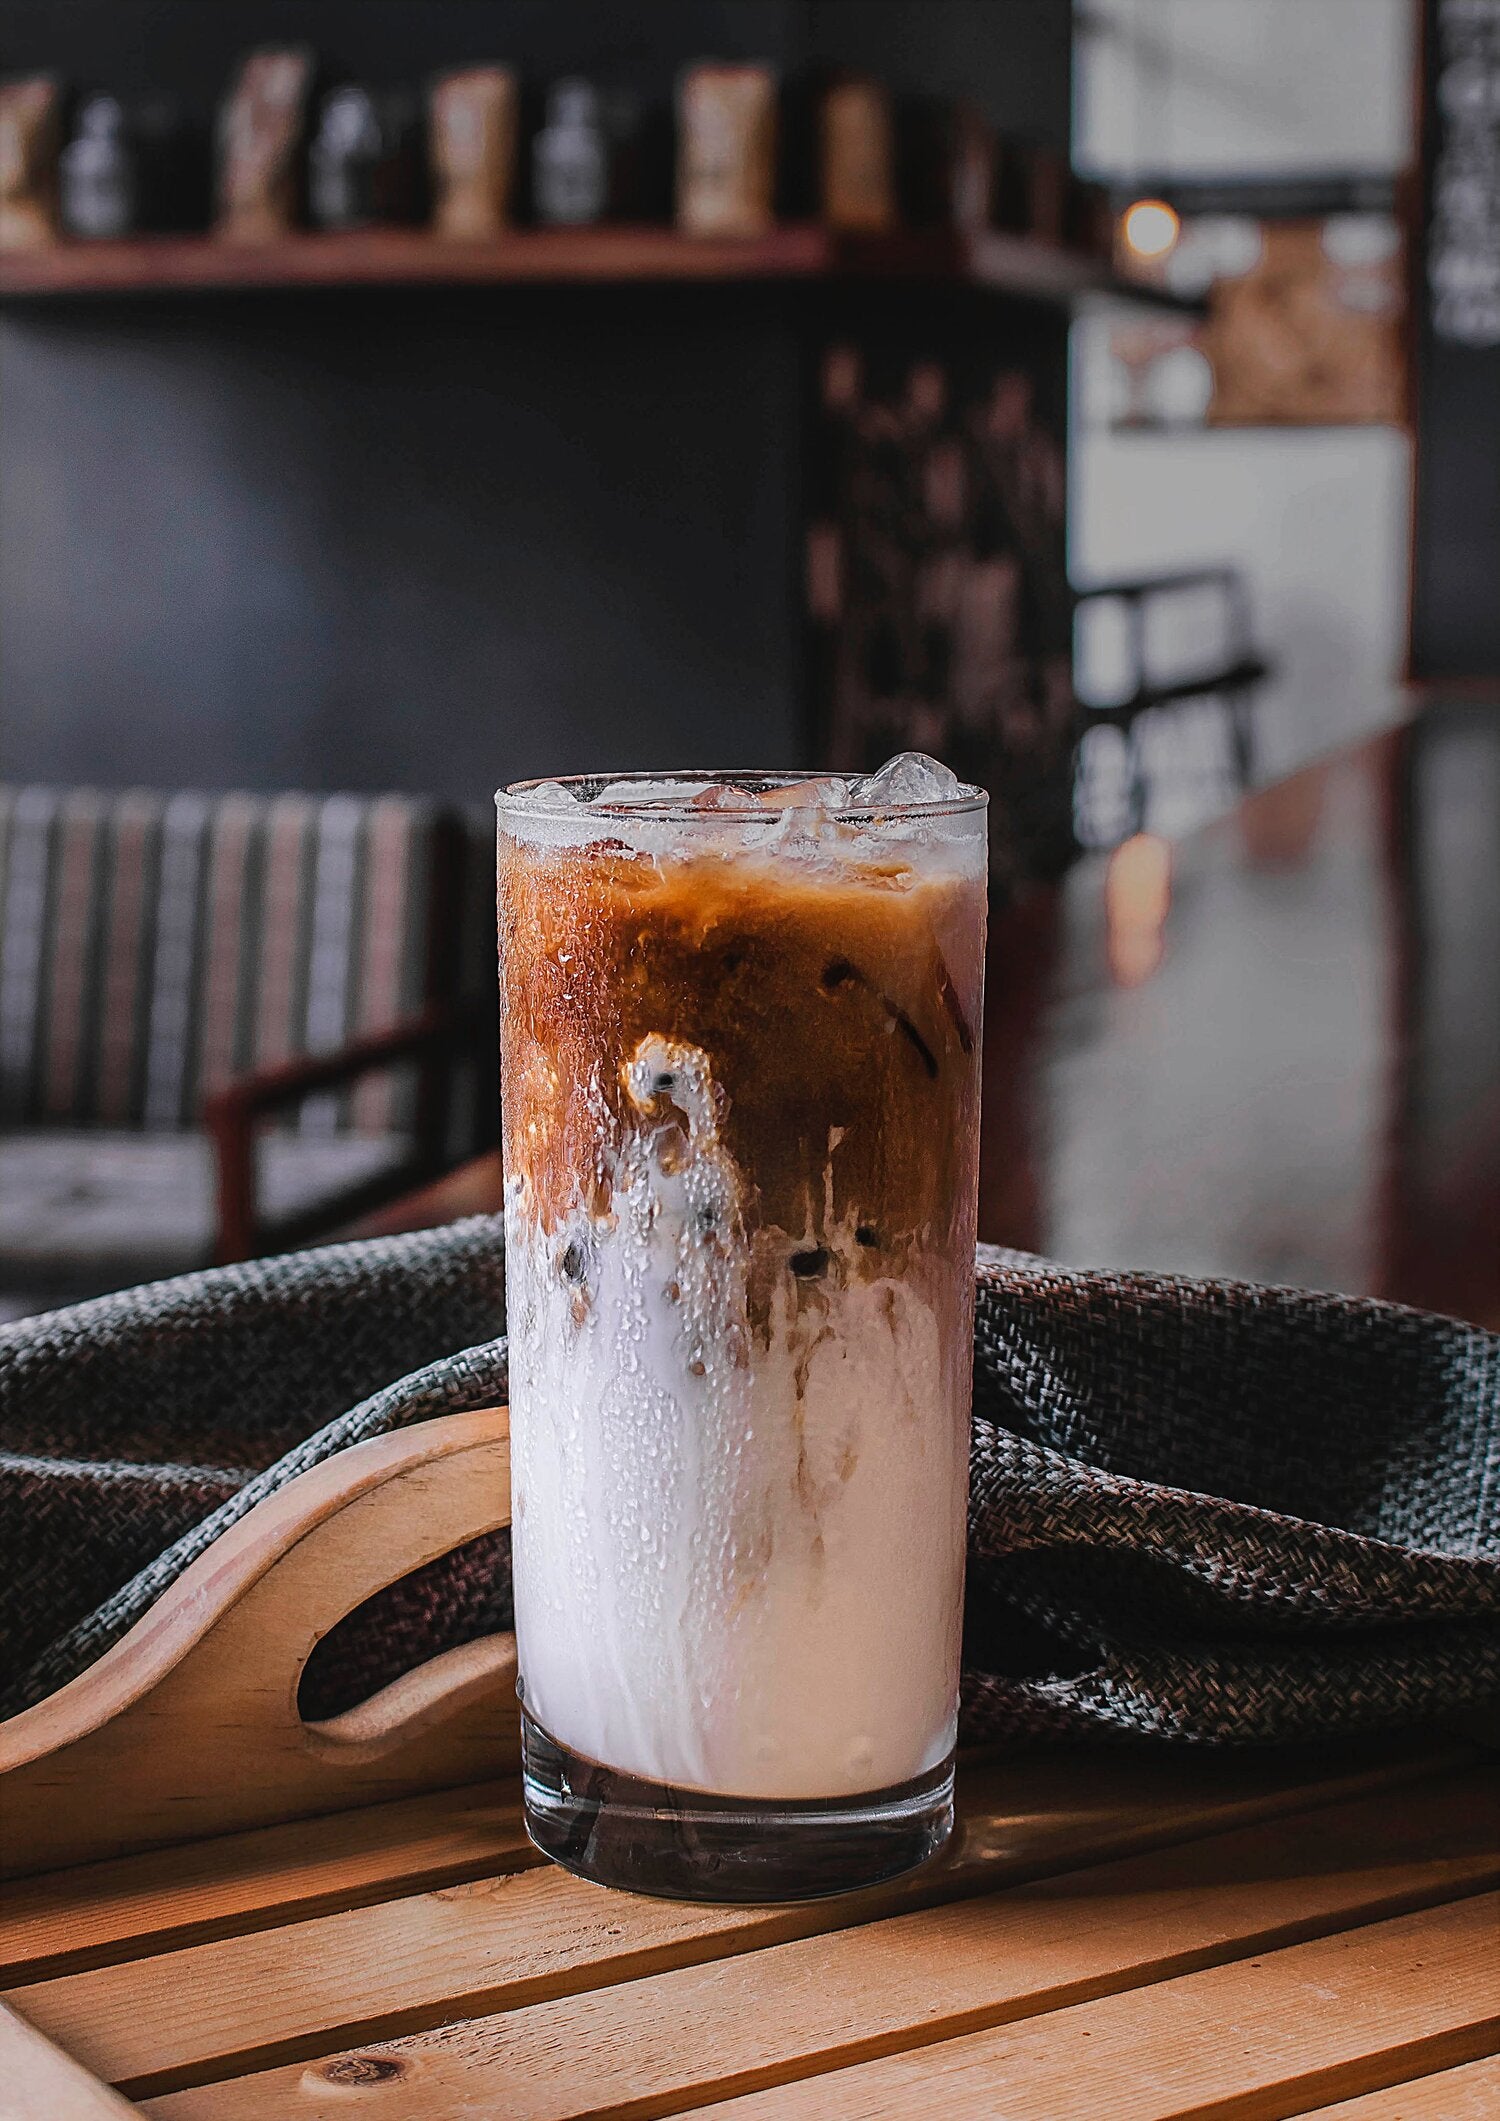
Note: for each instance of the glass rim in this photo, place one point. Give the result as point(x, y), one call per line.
point(681, 810)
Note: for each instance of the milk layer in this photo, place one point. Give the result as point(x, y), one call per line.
point(738, 1552)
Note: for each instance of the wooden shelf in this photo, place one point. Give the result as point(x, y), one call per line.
point(161, 265)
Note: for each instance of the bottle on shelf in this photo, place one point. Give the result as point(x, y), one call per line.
point(262, 125)
point(726, 150)
point(472, 125)
point(98, 173)
point(362, 162)
point(583, 156)
point(131, 168)
point(857, 157)
point(30, 132)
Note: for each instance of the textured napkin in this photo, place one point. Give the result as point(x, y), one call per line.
point(1200, 1510)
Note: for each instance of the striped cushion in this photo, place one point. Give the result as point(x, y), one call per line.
point(153, 946)
point(86, 1210)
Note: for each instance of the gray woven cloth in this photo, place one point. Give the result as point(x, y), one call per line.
point(1201, 1511)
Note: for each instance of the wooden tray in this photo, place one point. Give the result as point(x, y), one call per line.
point(190, 1725)
point(1135, 1936)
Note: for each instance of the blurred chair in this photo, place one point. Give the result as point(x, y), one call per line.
point(1148, 680)
point(229, 1024)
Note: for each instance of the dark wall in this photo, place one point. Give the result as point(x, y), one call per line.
point(1455, 608)
point(1013, 58)
point(189, 46)
point(358, 541)
point(425, 540)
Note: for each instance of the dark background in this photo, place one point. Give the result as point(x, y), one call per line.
point(1455, 616)
point(417, 539)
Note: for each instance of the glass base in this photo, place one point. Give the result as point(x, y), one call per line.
point(686, 1845)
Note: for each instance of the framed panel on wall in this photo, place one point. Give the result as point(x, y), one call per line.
point(1303, 283)
point(1455, 610)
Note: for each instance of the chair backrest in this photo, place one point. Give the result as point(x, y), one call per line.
point(152, 946)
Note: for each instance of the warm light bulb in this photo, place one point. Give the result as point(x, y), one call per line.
point(1150, 228)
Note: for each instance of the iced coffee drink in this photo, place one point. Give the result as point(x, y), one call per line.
point(740, 1046)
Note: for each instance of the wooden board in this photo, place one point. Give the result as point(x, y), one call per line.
point(1113, 1885)
point(507, 1940)
point(1470, 2093)
point(96, 1914)
point(1272, 2033)
point(1047, 1811)
point(1154, 1934)
point(102, 1912)
point(910, 1983)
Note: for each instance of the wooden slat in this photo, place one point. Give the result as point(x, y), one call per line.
point(249, 2001)
point(98, 1913)
point(66, 1921)
point(37, 2083)
point(1471, 2093)
point(1263, 2037)
point(800, 2010)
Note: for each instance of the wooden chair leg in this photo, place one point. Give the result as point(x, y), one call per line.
point(1138, 786)
point(1240, 709)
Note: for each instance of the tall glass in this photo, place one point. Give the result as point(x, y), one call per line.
point(740, 1049)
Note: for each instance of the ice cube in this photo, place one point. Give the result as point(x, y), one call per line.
point(827, 791)
point(551, 795)
point(646, 794)
point(719, 795)
point(910, 777)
